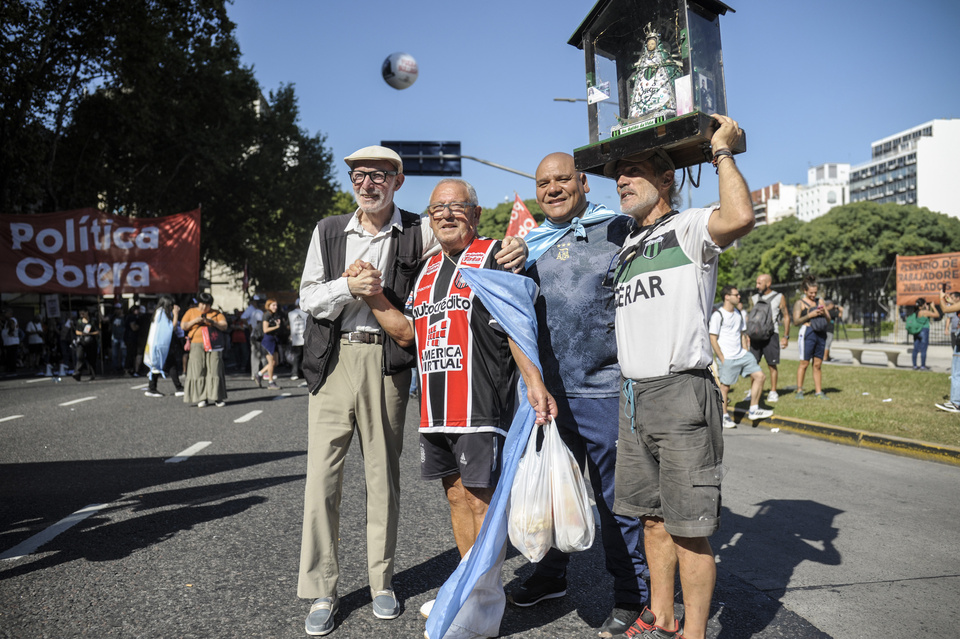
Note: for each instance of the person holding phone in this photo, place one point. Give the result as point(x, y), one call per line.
point(810, 315)
point(206, 382)
point(918, 326)
point(271, 322)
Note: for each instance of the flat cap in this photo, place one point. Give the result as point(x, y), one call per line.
point(375, 153)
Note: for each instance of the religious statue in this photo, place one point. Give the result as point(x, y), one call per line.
point(653, 92)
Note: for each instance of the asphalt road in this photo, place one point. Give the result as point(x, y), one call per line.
point(818, 539)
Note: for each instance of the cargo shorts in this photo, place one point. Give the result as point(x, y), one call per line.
point(670, 452)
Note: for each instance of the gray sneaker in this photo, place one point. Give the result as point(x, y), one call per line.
point(618, 622)
point(320, 621)
point(948, 406)
point(385, 605)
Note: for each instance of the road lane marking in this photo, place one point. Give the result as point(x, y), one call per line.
point(30, 545)
point(39, 379)
point(77, 401)
point(186, 454)
point(7, 419)
point(140, 387)
point(281, 396)
point(247, 417)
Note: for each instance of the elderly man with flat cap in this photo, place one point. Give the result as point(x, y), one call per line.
point(357, 366)
point(670, 447)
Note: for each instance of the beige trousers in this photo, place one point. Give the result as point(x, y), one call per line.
point(355, 397)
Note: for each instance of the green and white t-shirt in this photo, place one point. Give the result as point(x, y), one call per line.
point(665, 284)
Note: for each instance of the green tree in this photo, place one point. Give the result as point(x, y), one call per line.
point(49, 53)
point(144, 109)
point(845, 241)
point(494, 222)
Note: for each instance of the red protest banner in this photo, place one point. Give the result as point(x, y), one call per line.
point(521, 220)
point(925, 275)
point(87, 251)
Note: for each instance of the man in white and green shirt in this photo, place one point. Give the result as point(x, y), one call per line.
point(670, 448)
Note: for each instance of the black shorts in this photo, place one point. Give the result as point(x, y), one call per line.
point(769, 350)
point(474, 456)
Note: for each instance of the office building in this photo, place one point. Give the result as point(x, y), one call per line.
point(828, 185)
point(916, 166)
point(775, 202)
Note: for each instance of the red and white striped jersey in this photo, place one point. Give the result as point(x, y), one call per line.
point(467, 373)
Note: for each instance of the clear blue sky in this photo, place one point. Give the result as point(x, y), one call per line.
point(811, 82)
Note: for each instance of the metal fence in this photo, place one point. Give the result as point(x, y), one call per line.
point(868, 300)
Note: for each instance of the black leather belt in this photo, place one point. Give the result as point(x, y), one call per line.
point(362, 337)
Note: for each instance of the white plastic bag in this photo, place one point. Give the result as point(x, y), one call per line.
point(530, 524)
point(573, 524)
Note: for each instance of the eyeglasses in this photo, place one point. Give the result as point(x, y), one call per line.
point(377, 177)
point(736, 294)
point(456, 208)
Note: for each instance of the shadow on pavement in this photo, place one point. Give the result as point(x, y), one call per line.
point(757, 558)
point(34, 496)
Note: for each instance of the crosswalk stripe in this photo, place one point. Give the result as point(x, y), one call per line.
point(30, 545)
point(77, 401)
point(186, 454)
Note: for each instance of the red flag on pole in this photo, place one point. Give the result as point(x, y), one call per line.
point(521, 220)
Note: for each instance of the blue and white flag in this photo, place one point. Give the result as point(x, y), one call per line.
point(158, 343)
point(547, 234)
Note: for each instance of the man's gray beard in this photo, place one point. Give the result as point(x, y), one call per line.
point(642, 205)
point(379, 207)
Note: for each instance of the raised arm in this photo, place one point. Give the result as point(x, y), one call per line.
point(948, 307)
point(734, 218)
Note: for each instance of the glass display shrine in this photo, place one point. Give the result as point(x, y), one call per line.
point(654, 71)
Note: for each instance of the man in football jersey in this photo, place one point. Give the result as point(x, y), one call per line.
point(466, 406)
point(670, 448)
point(468, 372)
point(570, 256)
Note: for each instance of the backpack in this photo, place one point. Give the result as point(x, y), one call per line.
point(760, 321)
point(914, 325)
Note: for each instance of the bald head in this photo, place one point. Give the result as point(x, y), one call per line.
point(764, 282)
point(561, 189)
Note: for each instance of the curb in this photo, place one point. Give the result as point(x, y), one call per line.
point(864, 439)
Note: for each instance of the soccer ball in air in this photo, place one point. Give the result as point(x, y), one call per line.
point(399, 70)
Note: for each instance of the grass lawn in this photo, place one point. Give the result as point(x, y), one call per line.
point(857, 395)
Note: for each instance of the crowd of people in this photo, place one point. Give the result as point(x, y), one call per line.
point(86, 342)
point(817, 320)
